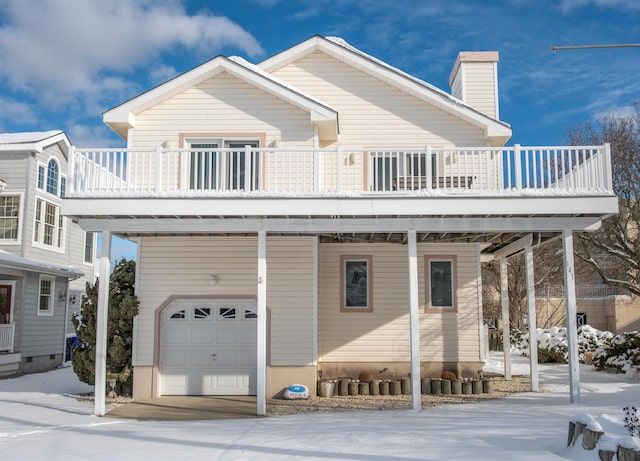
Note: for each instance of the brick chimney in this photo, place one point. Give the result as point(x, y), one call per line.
point(474, 80)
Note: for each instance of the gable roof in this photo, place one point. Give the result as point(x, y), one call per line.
point(122, 117)
point(496, 132)
point(34, 141)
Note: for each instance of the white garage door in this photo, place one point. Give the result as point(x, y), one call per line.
point(208, 347)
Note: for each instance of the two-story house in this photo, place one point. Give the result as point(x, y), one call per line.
point(45, 258)
point(320, 214)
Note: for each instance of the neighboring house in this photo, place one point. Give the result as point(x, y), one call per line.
point(45, 258)
point(600, 306)
point(320, 214)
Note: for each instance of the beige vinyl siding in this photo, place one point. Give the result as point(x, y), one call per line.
point(393, 118)
point(176, 266)
point(222, 104)
point(480, 86)
point(383, 335)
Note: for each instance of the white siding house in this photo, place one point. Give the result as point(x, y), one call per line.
point(320, 214)
point(45, 258)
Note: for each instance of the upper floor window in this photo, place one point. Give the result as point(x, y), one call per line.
point(49, 224)
point(441, 283)
point(50, 180)
point(45, 296)
point(52, 177)
point(89, 247)
point(9, 217)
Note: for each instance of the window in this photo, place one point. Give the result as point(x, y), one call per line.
point(9, 217)
point(52, 177)
point(213, 168)
point(45, 300)
point(41, 177)
point(89, 242)
point(441, 283)
point(49, 225)
point(63, 186)
point(356, 284)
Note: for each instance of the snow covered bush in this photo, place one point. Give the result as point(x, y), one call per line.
point(552, 343)
point(621, 352)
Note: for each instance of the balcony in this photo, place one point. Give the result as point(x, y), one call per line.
point(340, 172)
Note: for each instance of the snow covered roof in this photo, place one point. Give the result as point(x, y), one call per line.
point(122, 117)
point(33, 140)
point(12, 261)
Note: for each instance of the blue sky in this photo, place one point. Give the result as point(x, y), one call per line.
point(64, 62)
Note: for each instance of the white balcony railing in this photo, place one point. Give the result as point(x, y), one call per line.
point(7, 331)
point(483, 170)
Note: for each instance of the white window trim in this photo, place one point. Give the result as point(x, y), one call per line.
point(49, 311)
point(44, 246)
point(18, 240)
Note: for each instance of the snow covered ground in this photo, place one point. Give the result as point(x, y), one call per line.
point(40, 420)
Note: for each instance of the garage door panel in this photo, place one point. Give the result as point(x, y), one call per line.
point(209, 348)
point(228, 334)
point(202, 334)
point(201, 358)
point(173, 357)
point(178, 333)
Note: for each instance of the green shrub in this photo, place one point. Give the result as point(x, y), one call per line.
point(621, 353)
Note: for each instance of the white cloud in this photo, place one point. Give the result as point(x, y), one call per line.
point(71, 47)
point(91, 136)
point(162, 74)
point(568, 6)
point(16, 111)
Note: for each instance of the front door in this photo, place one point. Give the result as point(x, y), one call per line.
point(5, 304)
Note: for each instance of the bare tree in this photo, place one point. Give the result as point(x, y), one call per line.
point(614, 251)
point(547, 271)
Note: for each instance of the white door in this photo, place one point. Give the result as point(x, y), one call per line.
point(208, 347)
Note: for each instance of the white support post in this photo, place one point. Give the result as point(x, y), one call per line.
point(71, 170)
point(506, 328)
point(339, 169)
point(158, 169)
point(414, 322)
point(517, 164)
point(262, 324)
point(482, 330)
point(102, 317)
point(532, 317)
point(572, 322)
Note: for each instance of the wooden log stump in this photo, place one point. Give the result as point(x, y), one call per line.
point(405, 383)
point(476, 386)
point(374, 387)
point(456, 386)
point(436, 387)
point(363, 388)
point(606, 455)
point(353, 388)
point(628, 454)
point(445, 386)
point(590, 438)
point(467, 388)
point(487, 386)
point(343, 386)
point(395, 387)
point(426, 386)
point(384, 388)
